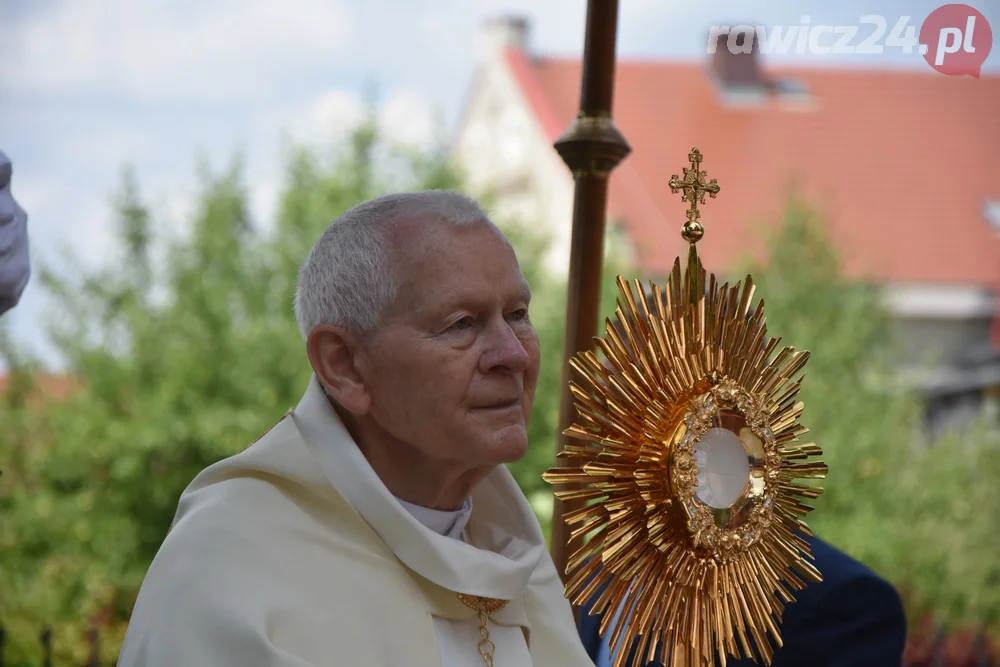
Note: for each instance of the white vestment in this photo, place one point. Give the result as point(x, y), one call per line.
point(294, 554)
point(458, 639)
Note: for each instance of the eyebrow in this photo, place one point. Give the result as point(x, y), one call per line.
point(464, 299)
point(524, 291)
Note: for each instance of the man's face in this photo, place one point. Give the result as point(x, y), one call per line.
point(452, 369)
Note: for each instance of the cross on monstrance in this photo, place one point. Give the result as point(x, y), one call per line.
point(693, 186)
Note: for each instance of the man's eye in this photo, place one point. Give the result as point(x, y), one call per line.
point(462, 324)
point(521, 314)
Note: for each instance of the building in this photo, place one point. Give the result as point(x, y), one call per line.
point(904, 164)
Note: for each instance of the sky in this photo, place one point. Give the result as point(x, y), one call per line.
point(87, 86)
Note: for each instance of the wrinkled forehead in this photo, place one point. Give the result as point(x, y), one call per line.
point(414, 243)
point(434, 261)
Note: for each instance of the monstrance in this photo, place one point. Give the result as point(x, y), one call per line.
point(690, 467)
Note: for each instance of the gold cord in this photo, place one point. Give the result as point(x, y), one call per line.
point(486, 645)
point(485, 607)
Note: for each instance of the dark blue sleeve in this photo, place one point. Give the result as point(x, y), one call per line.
point(589, 629)
point(858, 623)
point(853, 619)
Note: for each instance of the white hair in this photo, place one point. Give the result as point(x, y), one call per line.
point(347, 279)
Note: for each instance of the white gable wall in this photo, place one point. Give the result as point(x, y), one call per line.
point(503, 150)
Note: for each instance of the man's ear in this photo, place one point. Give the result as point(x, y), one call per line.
point(333, 354)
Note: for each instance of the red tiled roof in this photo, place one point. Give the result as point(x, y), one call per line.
point(900, 162)
point(49, 386)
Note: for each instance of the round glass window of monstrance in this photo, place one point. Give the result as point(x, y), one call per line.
point(723, 468)
point(730, 461)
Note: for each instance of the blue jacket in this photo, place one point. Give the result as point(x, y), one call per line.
point(853, 618)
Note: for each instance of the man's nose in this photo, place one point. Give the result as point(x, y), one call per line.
point(504, 350)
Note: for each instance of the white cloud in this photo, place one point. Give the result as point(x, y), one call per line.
point(109, 147)
point(408, 117)
point(153, 50)
point(32, 194)
point(88, 234)
point(330, 115)
point(404, 116)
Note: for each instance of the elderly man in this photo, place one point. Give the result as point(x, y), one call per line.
point(375, 523)
point(15, 266)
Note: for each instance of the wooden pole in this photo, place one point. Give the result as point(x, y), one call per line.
point(592, 147)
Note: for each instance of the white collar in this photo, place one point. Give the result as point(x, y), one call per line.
point(447, 523)
point(505, 543)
